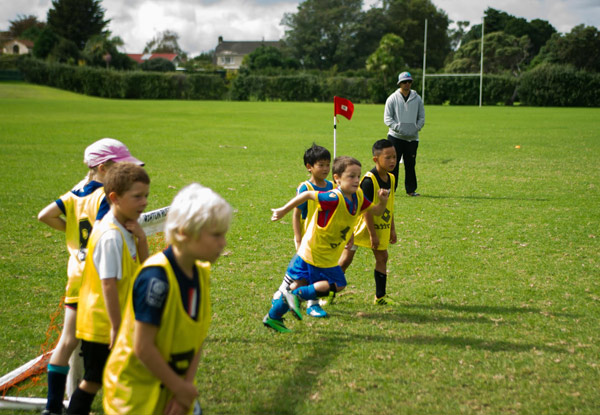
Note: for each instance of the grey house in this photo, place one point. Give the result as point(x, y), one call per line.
point(229, 55)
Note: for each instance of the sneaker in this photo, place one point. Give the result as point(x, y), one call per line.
point(315, 310)
point(325, 301)
point(48, 412)
point(274, 324)
point(293, 301)
point(383, 301)
point(413, 194)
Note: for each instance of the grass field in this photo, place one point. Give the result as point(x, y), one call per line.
point(496, 272)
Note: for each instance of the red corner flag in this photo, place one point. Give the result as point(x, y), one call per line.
point(343, 107)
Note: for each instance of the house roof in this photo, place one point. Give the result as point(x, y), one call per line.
point(243, 47)
point(25, 42)
point(141, 57)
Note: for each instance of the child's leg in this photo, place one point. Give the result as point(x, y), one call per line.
point(95, 356)
point(380, 274)
point(347, 257)
point(58, 367)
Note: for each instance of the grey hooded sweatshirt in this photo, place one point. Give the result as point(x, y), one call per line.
point(404, 118)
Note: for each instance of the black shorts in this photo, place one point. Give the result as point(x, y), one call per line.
point(95, 356)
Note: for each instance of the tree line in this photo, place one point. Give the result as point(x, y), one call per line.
point(336, 38)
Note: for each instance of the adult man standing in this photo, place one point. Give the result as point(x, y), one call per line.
point(405, 116)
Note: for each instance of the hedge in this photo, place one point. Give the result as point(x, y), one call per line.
point(543, 86)
point(536, 87)
point(123, 84)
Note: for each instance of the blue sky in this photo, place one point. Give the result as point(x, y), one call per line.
point(199, 23)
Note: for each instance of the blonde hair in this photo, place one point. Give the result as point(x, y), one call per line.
point(194, 208)
point(93, 173)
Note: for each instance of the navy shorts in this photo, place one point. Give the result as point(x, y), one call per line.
point(95, 356)
point(298, 269)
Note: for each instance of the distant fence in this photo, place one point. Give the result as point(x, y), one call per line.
point(8, 75)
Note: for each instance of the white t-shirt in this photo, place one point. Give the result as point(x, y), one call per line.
point(110, 246)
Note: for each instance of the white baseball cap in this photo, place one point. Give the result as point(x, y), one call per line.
point(404, 76)
point(108, 149)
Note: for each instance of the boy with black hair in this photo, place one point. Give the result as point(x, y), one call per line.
point(317, 161)
point(314, 269)
point(377, 231)
point(116, 248)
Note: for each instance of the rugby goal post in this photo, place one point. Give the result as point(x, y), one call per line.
point(480, 74)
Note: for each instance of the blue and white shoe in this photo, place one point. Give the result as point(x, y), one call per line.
point(313, 309)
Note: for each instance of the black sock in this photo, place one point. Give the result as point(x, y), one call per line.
point(56, 391)
point(81, 402)
point(380, 283)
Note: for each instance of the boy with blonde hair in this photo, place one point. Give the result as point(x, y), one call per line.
point(314, 269)
point(153, 365)
point(377, 231)
point(116, 247)
point(74, 213)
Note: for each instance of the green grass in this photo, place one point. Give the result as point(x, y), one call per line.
point(496, 272)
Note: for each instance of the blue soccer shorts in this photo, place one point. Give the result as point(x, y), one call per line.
point(298, 269)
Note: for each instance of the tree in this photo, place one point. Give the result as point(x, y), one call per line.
point(22, 24)
point(580, 48)
point(268, 59)
point(102, 50)
point(538, 31)
point(158, 65)
point(322, 33)
point(387, 60)
point(406, 18)
point(502, 53)
point(456, 35)
point(165, 42)
point(76, 20)
point(44, 44)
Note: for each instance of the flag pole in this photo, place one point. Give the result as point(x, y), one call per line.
point(334, 135)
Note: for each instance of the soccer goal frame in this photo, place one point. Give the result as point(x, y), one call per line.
point(480, 74)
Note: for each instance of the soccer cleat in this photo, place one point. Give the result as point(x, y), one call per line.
point(274, 324)
point(383, 301)
point(293, 302)
point(315, 310)
point(325, 301)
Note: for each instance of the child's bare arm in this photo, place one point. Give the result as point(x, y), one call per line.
point(51, 216)
point(296, 224)
point(393, 236)
point(296, 201)
point(371, 228)
point(144, 347)
point(380, 207)
point(111, 299)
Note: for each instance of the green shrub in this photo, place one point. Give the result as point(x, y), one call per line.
point(538, 87)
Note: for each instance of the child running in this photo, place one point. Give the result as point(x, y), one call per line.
point(116, 247)
point(376, 231)
point(152, 367)
point(74, 213)
point(317, 160)
point(314, 269)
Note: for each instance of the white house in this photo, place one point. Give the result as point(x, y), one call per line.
point(17, 47)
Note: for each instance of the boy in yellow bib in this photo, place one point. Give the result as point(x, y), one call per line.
point(315, 268)
point(74, 213)
point(317, 161)
point(376, 231)
point(152, 367)
point(116, 247)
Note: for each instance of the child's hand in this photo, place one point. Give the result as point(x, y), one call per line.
point(175, 408)
point(383, 195)
point(393, 237)
point(277, 214)
point(135, 228)
point(186, 394)
point(374, 241)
